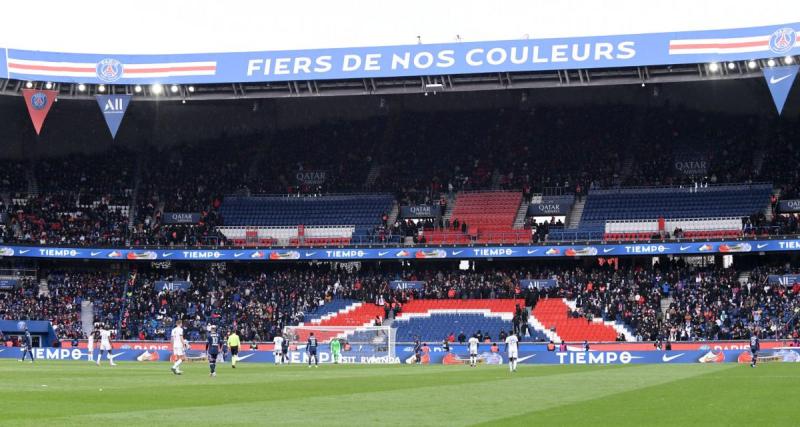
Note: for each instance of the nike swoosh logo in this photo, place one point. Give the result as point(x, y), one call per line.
point(24, 251)
point(96, 253)
point(667, 359)
point(762, 245)
point(237, 255)
point(522, 359)
point(167, 254)
point(532, 251)
point(310, 254)
point(605, 251)
point(113, 356)
point(456, 252)
point(382, 253)
point(683, 248)
point(244, 357)
point(773, 80)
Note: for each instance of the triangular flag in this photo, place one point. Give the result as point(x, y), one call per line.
point(113, 108)
point(779, 81)
point(39, 103)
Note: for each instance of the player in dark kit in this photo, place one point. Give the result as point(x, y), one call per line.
point(213, 348)
point(755, 345)
point(311, 348)
point(27, 346)
point(285, 351)
point(417, 351)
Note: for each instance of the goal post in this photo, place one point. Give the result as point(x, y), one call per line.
point(361, 341)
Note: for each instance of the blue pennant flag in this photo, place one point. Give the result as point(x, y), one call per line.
point(113, 108)
point(779, 80)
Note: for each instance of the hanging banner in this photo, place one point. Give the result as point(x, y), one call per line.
point(406, 285)
point(113, 108)
point(779, 81)
point(311, 177)
point(538, 284)
point(8, 284)
point(548, 208)
point(180, 218)
point(39, 103)
point(691, 164)
point(172, 285)
point(416, 59)
point(785, 280)
point(420, 211)
point(789, 206)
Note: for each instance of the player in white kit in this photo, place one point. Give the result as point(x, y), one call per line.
point(90, 346)
point(513, 352)
point(178, 347)
point(105, 346)
point(278, 349)
point(473, 351)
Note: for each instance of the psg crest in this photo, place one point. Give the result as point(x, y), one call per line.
point(109, 70)
point(782, 40)
point(38, 100)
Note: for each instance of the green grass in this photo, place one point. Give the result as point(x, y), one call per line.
point(131, 394)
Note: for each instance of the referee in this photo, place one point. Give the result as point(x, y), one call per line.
point(233, 345)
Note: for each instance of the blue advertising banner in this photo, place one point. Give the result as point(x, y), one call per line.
point(420, 211)
point(180, 218)
point(458, 252)
point(113, 108)
point(8, 284)
point(789, 206)
point(458, 356)
point(779, 81)
point(172, 286)
point(785, 280)
point(538, 284)
point(548, 208)
point(563, 53)
point(403, 285)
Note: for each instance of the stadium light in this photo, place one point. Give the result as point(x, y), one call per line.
point(173, 88)
point(137, 89)
point(156, 88)
point(751, 64)
point(101, 88)
point(81, 87)
point(29, 85)
point(191, 88)
point(771, 62)
point(789, 59)
point(731, 65)
point(48, 85)
point(713, 67)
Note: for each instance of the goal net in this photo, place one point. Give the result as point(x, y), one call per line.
point(358, 342)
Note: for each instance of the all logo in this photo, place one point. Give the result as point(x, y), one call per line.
point(39, 101)
point(109, 70)
point(114, 105)
point(782, 40)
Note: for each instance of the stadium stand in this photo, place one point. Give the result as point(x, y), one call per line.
point(696, 211)
point(554, 315)
point(434, 320)
point(675, 302)
point(303, 215)
point(119, 196)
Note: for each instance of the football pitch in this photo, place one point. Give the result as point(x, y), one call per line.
point(132, 394)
